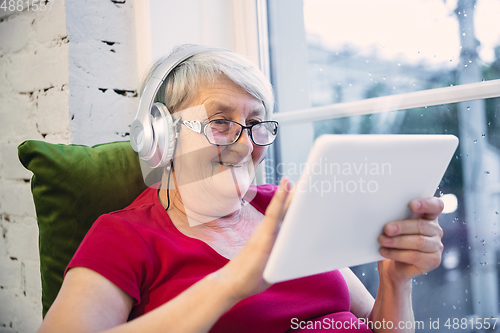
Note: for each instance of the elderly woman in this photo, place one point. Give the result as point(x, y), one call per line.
point(189, 257)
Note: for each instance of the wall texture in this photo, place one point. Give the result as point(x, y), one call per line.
point(34, 105)
point(102, 68)
point(67, 74)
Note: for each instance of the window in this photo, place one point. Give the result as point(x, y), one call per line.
point(401, 67)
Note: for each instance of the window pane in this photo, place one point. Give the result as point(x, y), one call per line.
point(361, 49)
point(468, 274)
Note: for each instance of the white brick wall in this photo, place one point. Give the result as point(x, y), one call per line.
point(102, 70)
point(34, 105)
point(66, 75)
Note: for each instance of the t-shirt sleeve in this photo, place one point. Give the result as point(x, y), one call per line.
point(114, 249)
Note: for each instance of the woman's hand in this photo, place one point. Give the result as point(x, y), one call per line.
point(243, 274)
point(412, 246)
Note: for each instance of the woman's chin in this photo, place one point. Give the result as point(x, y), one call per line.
point(232, 184)
point(215, 197)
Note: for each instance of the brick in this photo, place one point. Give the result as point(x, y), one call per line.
point(9, 301)
point(28, 314)
point(22, 241)
point(9, 14)
point(40, 69)
point(18, 312)
point(31, 28)
point(16, 199)
point(32, 279)
point(50, 24)
point(10, 166)
point(14, 33)
point(100, 20)
point(15, 115)
point(11, 273)
point(94, 64)
point(64, 137)
point(52, 111)
point(101, 117)
point(3, 248)
point(5, 88)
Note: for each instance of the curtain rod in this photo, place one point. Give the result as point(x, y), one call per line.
point(438, 96)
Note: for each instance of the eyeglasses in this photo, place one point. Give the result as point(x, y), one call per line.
point(222, 132)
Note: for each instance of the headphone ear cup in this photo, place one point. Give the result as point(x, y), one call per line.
point(162, 150)
point(167, 144)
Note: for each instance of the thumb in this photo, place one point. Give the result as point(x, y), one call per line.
point(277, 208)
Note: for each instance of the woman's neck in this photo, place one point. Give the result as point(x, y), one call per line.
point(191, 218)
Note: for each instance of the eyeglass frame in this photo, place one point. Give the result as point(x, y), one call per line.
point(199, 127)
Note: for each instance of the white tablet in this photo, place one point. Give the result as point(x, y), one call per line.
point(349, 188)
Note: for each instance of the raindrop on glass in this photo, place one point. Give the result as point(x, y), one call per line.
point(487, 172)
point(475, 140)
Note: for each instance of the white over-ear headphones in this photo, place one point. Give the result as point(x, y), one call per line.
point(153, 132)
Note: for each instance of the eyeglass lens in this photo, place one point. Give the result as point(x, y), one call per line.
point(225, 132)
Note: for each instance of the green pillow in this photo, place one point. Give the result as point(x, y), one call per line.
point(72, 186)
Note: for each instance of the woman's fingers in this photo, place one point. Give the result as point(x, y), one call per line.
point(412, 242)
point(244, 271)
point(428, 208)
point(276, 210)
point(265, 234)
point(413, 227)
point(422, 261)
point(415, 242)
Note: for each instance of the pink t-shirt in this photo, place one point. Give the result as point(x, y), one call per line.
point(143, 253)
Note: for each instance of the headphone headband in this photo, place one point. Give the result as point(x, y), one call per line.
point(142, 137)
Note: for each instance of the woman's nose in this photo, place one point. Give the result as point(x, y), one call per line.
point(244, 145)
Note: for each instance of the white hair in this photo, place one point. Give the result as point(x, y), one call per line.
point(185, 80)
